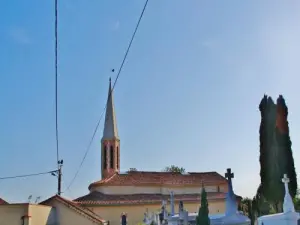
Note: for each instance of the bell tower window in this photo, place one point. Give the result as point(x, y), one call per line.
point(111, 157)
point(117, 155)
point(104, 157)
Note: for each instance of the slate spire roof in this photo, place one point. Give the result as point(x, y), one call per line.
point(110, 130)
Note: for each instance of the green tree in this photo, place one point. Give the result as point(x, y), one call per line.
point(202, 218)
point(296, 201)
point(269, 151)
point(276, 156)
point(264, 107)
point(287, 165)
point(173, 168)
point(250, 211)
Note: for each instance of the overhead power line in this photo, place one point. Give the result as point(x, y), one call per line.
point(113, 87)
point(28, 175)
point(56, 83)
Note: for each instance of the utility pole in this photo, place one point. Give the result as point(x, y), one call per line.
point(59, 176)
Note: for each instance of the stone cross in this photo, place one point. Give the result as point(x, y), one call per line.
point(231, 206)
point(123, 219)
point(181, 211)
point(285, 180)
point(229, 175)
point(186, 217)
point(288, 205)
point(172, 203)
point(180, 206)
point(146, 216)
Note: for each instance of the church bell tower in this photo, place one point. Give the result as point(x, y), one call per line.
point(110, 143)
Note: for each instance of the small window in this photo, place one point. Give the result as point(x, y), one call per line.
point(111, 157)
point(117, 155)
point(104, 157)
point(218, 189)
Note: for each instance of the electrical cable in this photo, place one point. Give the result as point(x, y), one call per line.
point(56, 83)
point(114, 84)
point(28, 175)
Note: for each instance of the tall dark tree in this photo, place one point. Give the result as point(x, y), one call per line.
point(286, 159)
point(276, 156)
point(269, 170)
point(263, 144)
point(202, 218)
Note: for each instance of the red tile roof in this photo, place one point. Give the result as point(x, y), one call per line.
point(141, 178)
point(2, 202)
point(98, 198)
point(76, 207)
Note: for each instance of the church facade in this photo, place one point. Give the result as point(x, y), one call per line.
point(129, 195)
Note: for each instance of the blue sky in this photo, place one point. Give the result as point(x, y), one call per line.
point(188, 94)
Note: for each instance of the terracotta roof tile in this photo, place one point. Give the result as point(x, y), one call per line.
point(98, 198)
point(90, 214)
point(2, 202)
point(160, 178)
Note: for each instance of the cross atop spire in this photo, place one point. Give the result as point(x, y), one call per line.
point(110, 131)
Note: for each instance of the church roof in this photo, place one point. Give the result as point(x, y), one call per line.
point(98, 198)
point(2, 202)
point(143, 178)
point(76, 207)
point(110, 130)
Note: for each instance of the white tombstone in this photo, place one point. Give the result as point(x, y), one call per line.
point(288, 217)
point(231, 216)
point(185, 217)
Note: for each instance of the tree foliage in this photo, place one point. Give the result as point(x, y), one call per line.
point(174, 168)
point(296, 201)
point(203, 218)
point(276, 156)
point(284, 141)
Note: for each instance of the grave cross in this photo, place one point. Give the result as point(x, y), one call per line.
point(286, 180)
point(288, 205)
point(229, 175)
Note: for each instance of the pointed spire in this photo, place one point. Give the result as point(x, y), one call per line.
point(110, 130)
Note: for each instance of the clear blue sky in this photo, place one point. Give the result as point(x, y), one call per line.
point(188, 94)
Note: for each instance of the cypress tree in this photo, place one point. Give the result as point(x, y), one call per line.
point(270, 173)
point(202, 218)
point(276, 157)
point(263, 147)
point(286, 159)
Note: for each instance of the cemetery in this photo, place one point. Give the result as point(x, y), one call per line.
point(231, 216)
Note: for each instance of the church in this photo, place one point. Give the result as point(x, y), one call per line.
point(133, 193)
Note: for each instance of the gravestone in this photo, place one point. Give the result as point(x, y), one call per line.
point(181, 213)
point(289, 216)
point(123, 219)
point(231, 206)
point(288, 205)
point(162, 215)
point(232, 215)
point(172, 203)
point(180, 207)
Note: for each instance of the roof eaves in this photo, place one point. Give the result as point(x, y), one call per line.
point(79, 209)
